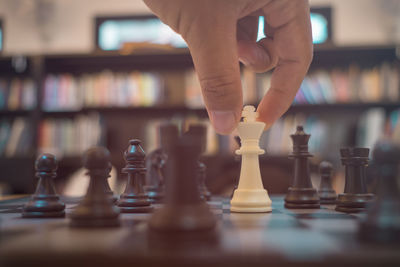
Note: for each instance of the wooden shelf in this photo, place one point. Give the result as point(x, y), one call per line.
point(325, 56)
point(366, 56)
point(159, 111)
point(97, 62)
point(15, 113)
point(6, 68)
point(166, 111)
point(343, 107)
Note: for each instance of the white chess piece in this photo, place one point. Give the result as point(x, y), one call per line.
point(250, 196)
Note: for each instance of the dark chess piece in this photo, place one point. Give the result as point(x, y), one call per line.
point(155, 164)
point(237, 158)
point(200, 131)
point(355, 196)
point(184, 210)
point(301, 195)
point(45, 203)
point(134, 199)
point(96, 209)
point(201, 178)
point(107, 189)
point(327, 194)
point(382, 224)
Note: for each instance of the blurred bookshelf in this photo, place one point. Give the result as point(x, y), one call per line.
point(71, 102)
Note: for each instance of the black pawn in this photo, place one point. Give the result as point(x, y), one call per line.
point(301, 195)
point(326, 193)
point(155, 163)
point(184, 210)
point(134, 199)
point(382, 224)
point(96, 209)
point(107, 189)
point(45, 203)
point(201, 178)
point(199, 131)
point(355, 196)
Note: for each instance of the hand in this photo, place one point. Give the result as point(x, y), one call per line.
point(219, 33)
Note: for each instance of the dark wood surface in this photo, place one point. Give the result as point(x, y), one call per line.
point(316, 237)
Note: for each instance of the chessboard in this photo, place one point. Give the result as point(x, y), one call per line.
point(284, 237)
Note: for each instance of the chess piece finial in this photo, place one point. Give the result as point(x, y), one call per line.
point(250, 195)
point(96, 209)
point(326, 193)
point(45, 203)
point(249, 114)
point(301, 194)
point(135, 199)
point(355, 196)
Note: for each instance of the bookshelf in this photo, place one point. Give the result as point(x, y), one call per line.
point(119, 123)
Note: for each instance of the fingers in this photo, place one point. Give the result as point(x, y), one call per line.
point(289, 23)
point(213, 46)
point(260, 56)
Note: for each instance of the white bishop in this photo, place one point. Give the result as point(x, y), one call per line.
point(250, 196)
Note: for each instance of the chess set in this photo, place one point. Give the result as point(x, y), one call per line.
point(171, 219)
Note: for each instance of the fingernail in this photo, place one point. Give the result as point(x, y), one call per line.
point(223, 121)
point(244, 60)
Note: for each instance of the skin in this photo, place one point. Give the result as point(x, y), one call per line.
point(220, 33)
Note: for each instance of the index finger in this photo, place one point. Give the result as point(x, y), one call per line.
point(290, 28)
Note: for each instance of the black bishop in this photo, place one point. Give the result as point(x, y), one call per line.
point(135, 199)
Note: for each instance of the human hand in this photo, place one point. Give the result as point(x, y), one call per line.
point(219, 33)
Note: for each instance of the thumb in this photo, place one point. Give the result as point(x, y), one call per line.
point(213, 46)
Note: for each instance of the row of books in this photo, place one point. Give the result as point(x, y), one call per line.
point(117, 89)
point(70, 137)
point(352, 85)
point(17, 94)
point(392, 127)
point(194, 98)
point(15, 137)
point(104, 89)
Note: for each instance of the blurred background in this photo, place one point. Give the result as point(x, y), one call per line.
point(74, 74)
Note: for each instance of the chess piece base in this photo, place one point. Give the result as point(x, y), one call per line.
point(96, 222)
point(349, 209)
point(353, 203)
point(134, 204)
point(301, 206)
point(302, 198)
point(138, 209)
point(89, 214)
point(155, 197)
point(183, 218)
point(250, 201)
point(44, 207)
point(327, 197)
point(43, 214)
point(327, 201)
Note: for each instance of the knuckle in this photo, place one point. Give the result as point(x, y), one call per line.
point(219, 87)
